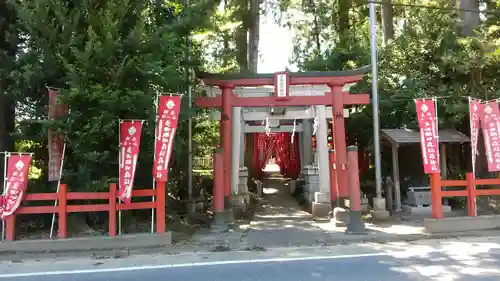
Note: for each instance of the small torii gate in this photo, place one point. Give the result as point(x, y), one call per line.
point(335, 80)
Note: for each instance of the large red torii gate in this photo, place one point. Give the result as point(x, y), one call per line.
point(281, 81)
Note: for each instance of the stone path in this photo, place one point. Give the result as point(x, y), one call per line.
point(280, 221)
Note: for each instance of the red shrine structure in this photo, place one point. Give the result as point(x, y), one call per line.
point(336, 97)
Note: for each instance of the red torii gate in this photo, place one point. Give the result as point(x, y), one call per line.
point(281, 81)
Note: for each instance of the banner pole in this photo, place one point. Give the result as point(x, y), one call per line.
point(119, 174)
point(153, 198)
point(6, 156)
point(57, 191)
point(437, 135)
point(473, 149)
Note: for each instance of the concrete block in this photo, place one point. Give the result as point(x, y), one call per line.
point(94, 243)
point(378, 204)
point(321, 210)
point(341, 217)
point(380, 215)
point(423, 211)
point(461, 224)
point(291, 186)
point(322, 197)
point(240, 204)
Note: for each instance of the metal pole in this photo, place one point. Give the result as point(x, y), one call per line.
point(153, 198)
point(192, 208)
point(6, 156)
point(120, 163)
point(57, 191)
point(376, 124)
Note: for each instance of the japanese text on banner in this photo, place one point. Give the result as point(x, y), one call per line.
point(17, 179)
point(56, 141)
point(491, 127)
point(427, 121)
point(475, 109)
point(166, 126)
point(130, 140)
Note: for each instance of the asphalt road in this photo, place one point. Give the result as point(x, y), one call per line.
point(478, 261)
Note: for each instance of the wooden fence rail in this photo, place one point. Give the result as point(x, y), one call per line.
point(470, 192)
point(62, 209)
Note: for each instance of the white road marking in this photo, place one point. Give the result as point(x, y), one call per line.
point(199, 264)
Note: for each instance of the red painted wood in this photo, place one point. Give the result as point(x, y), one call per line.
point(41, 197)
point(471, 195)
point(226, 136)
point(160, 207)
point(135, 206)
point(487, 181)
point(10, 228)
point(88, 208)
point(484, 192)
point(62, 227)
point(112, 210)
point(354, 186)
point(143, 192)
point(453, 183)
point(62, 209)
point(255, 82)
point(348, 99)
point(37, 210)
point(453, 193)
point(218, 165)
point(436, 196)
point(339, 140)
point(88, 196)
point(333, 177)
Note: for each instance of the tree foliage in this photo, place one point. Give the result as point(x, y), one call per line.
point(110, 59)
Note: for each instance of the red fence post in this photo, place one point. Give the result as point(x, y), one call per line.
point(62, 210)
point(10, 228)
point(471, 195)
point(112, 210)
point(160, 207)
point(436, 197)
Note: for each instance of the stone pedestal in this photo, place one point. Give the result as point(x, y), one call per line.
point(240, 201)
point(291, 187)
point(364, 203)
point(340, 217)
point(321, 206)
point(311, 182)
point(258, 185)
point(219, 223)
point(379, 212)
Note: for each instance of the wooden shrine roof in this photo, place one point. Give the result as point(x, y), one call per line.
point(404, 136)
point(248, 75)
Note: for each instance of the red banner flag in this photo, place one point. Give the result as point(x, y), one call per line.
point(475, 108)
point(17, 179)
point(55, 140)
point(490, 123)
point(166, 126)
point(427, 121)
point(130, 141)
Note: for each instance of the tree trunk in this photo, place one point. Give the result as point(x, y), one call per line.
point(253, 46)
point(241, 37)
point(253, 62)
point(8, 45)
point(343, 17)
point(387, 21)
point(469, 19)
